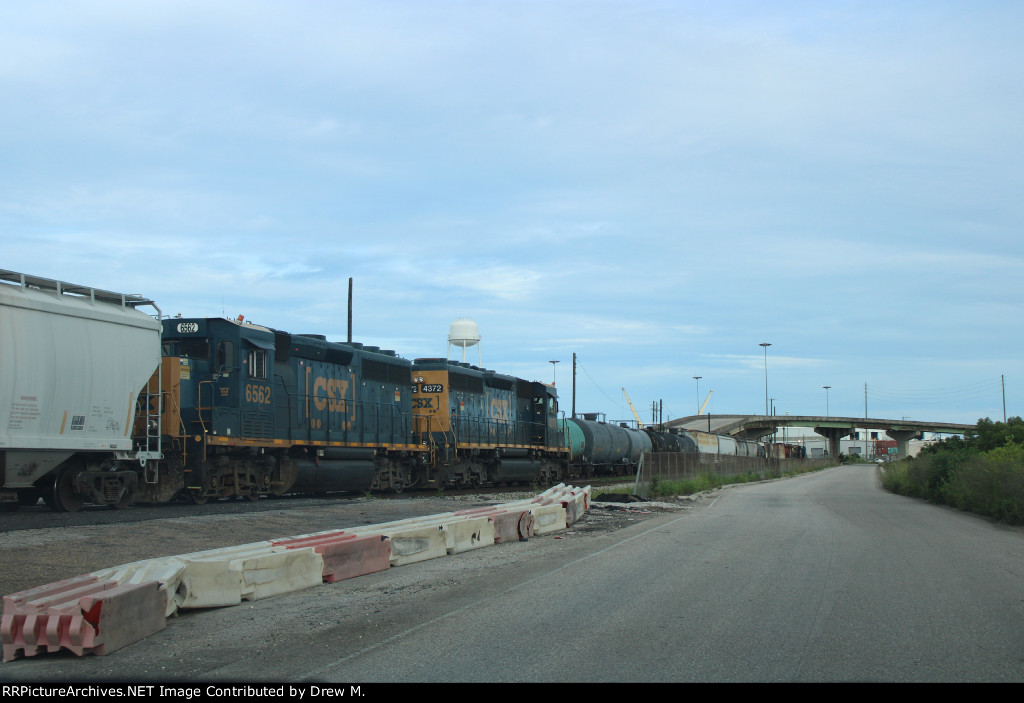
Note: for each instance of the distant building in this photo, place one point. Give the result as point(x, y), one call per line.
point(867, 444)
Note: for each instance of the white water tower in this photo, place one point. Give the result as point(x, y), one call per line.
point(464, 333)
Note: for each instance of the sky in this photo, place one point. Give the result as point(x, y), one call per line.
point(657, 187)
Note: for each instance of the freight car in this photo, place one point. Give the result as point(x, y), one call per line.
point(603, 449)
point(599, 448)
point(73, 361)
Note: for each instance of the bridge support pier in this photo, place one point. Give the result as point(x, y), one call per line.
point(902, 438)
point(832, 435)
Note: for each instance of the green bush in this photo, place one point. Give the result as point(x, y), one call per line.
point(991, 483)
point(981, 473)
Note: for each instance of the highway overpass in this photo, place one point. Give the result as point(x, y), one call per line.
point(832, 429)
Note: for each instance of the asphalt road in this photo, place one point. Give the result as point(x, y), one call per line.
point(823, 577)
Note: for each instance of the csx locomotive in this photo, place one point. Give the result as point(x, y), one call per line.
point(103, 403)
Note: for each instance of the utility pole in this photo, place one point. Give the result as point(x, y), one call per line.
point(350, 311)
point(574, 385)
point(765, 345)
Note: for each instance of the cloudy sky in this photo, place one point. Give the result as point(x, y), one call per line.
point(655, 186)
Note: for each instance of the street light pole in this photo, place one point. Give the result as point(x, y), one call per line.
point(553, 371)
point(826, 399)
point(697, 379)
point(765, 345)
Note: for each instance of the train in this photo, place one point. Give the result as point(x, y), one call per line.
point(106, 401)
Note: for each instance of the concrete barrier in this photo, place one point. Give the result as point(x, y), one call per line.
point(548, 518)
point(411, 543)
point(118, 617)
point(83, 615)
point(167, 571)
point(111, 608)
point(464, 533)
point(510, 525)
point(575, 505)
point(346, 555)
point(229, 576)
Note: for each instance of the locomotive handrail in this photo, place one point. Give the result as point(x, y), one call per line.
point(200, 408)
point(182, 431)
point(427, 435)
point(476, 430)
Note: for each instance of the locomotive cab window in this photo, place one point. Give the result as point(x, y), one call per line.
point(225, 357)
point(190, 348)
point(258, 364)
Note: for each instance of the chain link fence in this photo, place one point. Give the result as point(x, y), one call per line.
point(670, 467)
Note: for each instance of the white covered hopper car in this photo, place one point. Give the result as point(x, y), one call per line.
point(73, 362)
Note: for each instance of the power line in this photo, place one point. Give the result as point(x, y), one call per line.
point(601, 390)
point(936, 396)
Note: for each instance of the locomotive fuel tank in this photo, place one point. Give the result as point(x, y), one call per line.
point(349, 470)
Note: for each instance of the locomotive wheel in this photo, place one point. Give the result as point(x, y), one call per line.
point(198, 498)
point(64, 497)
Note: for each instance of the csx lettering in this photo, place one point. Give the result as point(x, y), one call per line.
point(423, 402)
point(257, 394)
point(329, 394)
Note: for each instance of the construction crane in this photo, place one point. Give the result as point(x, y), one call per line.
point(635, 415)
point(701, 411)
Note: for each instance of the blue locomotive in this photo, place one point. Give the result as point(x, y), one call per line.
point(250, 411)
point(483, 426)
